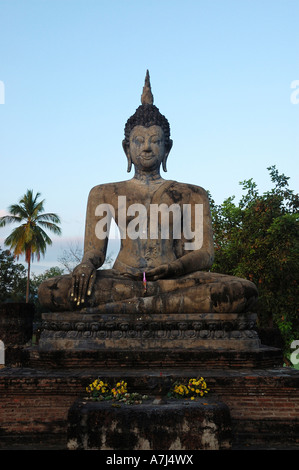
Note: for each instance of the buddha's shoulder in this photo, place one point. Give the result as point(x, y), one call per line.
point(188, 188)
point(108, 188)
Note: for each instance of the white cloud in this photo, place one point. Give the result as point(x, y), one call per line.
point(3, 212)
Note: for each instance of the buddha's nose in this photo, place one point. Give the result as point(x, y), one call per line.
point(147, 146)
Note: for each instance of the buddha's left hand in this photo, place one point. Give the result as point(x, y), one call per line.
point(174, 269)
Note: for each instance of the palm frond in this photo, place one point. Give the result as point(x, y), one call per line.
point(17, 240)
point(49, 217)
point(39, 243)
point(43, 238)
point(8, 219)
point(50, 226)
point(18, 211)
point(37, 208)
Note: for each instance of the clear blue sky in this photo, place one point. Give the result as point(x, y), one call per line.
point(73, 71)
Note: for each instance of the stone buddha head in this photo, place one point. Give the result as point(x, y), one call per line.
point(147, 140)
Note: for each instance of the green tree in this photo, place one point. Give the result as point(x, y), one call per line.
point(12, 278)
point(29, 238)
point(258, 239)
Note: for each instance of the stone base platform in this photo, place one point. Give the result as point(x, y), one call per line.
point(172, 425)
point(92, 331)
point(205, 340)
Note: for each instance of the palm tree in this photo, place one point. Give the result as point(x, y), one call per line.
point(29, 238)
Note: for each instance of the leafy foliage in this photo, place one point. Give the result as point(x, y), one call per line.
point(258, 239)
point(12, 278)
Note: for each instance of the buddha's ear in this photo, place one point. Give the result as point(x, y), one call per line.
point(167, 150)
point(128, 155)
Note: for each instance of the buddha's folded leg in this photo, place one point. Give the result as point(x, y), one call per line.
point(197, 293)
point(207, 292)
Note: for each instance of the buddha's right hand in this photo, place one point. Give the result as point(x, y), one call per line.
point(83, 279)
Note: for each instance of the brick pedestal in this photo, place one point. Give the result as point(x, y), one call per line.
point(263, 404)
point(174, 425)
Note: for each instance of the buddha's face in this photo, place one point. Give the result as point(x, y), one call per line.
point(147, 148)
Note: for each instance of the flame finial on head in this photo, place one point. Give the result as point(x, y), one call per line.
point(147, 96)
point(147, 114)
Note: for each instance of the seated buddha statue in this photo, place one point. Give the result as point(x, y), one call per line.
point(166, 250)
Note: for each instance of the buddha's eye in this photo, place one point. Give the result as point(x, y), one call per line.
point(139, 140)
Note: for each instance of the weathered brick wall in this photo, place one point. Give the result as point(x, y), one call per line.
point(264, 405)
point(34, 404)
point(46, 414)
point(273, 393)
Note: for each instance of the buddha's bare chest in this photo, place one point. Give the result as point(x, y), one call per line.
point(133, 199)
